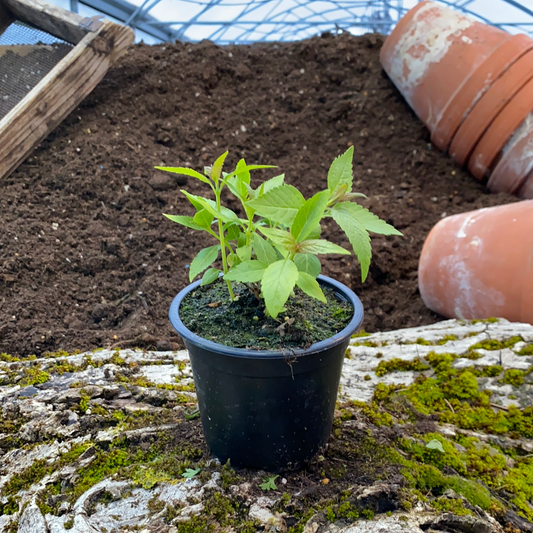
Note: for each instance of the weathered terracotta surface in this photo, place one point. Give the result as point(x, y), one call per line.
point(479, 264)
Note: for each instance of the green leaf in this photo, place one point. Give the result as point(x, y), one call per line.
point(244, 253)
point(210, 275)
point(435, 445)
point(269, 483)
point(277, 284)
point(315, 234)
point(232, 230)
point(310, 286)
point(246, 169)
point(272, 183)
point(184, 221)
point(279, 204)
point(238, 183)
point(321, 246)
point(368, 220)
point(203, 260)
point(356, 233)
point(186, 172)
point(203, 218)
point(225, 214)
point(247, 272)
point(309, 216)
point(308, 263)
point(279, 237)
point(190, 472)
point(264, 250)
point(216, 169)
point(341, 172)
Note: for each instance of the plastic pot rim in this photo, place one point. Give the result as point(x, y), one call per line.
point(342, 291)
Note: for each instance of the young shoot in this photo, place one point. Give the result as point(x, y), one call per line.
point(276, 246)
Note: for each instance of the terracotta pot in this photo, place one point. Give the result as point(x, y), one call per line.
point(480, 264)
point(516, 161)
point(500, 131)
point(430, 54)
point(526, 189)
point(474, 87)
point(490, 106)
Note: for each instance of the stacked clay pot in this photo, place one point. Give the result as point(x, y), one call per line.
point(480, 264)
point(471, 84)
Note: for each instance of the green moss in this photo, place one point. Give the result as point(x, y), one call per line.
point(514, 377)
point(10, 507)
point(493, 344)
point(450, 505)
point(147, 477)
point(33, 375)
point(485, 321)
point(445, 339)
point(400, 365)
point(526, 350)
point(69, 524)
point(361, 333)
point(6, 358)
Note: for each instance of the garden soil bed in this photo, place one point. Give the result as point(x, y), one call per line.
point(86, 257)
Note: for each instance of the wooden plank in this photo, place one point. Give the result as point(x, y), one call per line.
point(6, 18)
point(49, 102)
point(57, 21)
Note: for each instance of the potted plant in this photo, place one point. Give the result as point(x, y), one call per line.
point(265, 332)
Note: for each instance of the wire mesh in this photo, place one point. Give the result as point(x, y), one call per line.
point(27, 55)
point(243, 21)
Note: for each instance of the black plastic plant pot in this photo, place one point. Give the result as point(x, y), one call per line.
point(265, 409)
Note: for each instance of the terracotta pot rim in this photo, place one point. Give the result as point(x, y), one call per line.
point(501, 130)
point(491, 106)
point(475, 86)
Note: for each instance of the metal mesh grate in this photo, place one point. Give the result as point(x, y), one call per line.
point(27, 55)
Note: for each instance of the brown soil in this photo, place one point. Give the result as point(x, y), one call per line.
point(86, 258)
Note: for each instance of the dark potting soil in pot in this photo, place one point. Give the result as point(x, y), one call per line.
point(208, 312)
point(86, 258)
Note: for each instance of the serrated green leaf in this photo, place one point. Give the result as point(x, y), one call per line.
point(272, 183)
point(190, 472)
point(184, 221)
point(279, 204)
point(308, 263)
point(357, 235)
point(321, 246)
point(247, 272)
point(277, 283)
point(368, 220)
point(186, 172)
point(309, 216)
point(203, 218)
point(204, 259)
point(310, 286)
point(263, 250)
point(279, 237)
point(341, 172)
point(210, 275)
point(435, 445)
point(216, 169)
point(244, 253)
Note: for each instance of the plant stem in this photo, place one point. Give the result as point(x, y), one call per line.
point(223, 244)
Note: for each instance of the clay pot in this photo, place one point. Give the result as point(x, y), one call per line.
point(516, 161)
point(489, 107)
point(500, 131)
point(526, 189)
point(480, 264)
point(430, 55)
point(458, 107)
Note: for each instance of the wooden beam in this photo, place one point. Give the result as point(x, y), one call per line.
point(57, 21)
point(58, 93)
point(6, 18)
